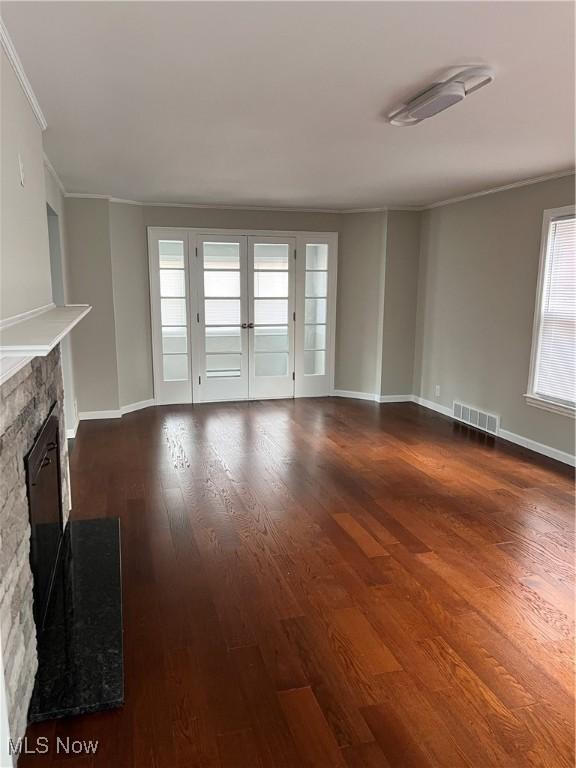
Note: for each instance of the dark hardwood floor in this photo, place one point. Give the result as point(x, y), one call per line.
point(334, 584)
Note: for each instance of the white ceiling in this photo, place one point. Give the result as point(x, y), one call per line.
point(280, 104)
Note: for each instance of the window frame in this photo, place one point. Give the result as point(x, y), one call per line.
point(532, 397)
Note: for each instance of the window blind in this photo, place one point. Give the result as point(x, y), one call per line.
point(555, 372)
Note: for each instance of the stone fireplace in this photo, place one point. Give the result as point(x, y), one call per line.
point(25, 402)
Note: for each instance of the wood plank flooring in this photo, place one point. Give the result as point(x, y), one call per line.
point(330, 583)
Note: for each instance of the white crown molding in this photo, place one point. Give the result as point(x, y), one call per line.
point(503, 188)
point(208, 206)
point(16, 64)
point(125, 202)
point(54, 175)
point(338, 211)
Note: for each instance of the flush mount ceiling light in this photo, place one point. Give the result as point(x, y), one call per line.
point(441, 95)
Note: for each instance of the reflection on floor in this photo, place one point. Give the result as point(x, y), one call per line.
point(330, 583)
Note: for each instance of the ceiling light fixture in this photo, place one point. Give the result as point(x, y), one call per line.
point(441, 95)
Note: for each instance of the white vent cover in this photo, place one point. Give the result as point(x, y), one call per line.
point(474, 417)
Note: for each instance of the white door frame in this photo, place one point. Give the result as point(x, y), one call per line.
point(305, 386)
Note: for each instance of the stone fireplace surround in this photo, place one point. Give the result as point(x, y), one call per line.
point(25, 401)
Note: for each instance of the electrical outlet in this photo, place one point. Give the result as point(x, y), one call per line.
point(21, 168)
point(437, 390)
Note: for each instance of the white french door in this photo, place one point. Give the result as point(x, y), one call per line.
point(271, 284)
point(241, 315)
point(220, 279)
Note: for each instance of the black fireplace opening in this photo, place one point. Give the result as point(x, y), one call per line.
point(77, 594)
point(44, 485)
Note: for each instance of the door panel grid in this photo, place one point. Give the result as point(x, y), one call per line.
point(271, 306)
point(261, 309)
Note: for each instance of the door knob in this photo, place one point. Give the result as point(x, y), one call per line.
point(244, 325)
point(250, 325)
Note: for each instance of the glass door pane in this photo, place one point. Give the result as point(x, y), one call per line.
point(271, 263)
point(223, 286)
point(173, 316)
point(315, 297)
point(168, 253)
point(316, 287)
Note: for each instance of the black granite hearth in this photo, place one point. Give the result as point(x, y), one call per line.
point(80, 663)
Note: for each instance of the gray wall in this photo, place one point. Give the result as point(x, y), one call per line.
point(440, 297)
point(477, 291)
point(359, 303)
point(131, 303)
point(112, 347)
point(25, 266)
point(400, 297)
point(90, 282)
point(168, 216)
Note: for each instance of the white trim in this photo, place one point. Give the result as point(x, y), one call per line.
point(503, 188)
point(374, 398)
point(337, 211)
point(38, 335)
point(89, 196)
point(532, 445)
point(118, 413)
point(504, 434)
point(9, 366)
point(550, 405)
point(394, 398)
point(16, 64)
point(355, 395)
point(137, 406)
point(430, 404)
point(89, 415)
point(55, 176)
point(71, 433)
point(23, 316)
point(532, 397)
point(208, 206)
point(124, 202)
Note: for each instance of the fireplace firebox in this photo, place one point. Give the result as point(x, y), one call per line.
point(44, 485)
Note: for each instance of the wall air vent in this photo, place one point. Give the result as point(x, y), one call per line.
point(474, 417)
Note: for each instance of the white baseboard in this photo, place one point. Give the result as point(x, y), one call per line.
point(545, 450)
point(504, 434)
point(137, 406)
point(117, 414)
point(371, 396)
point(90, 415)
point(354, 395)
point(443, 409)
point(71, 433)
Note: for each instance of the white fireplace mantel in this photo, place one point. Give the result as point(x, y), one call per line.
point(35, 334)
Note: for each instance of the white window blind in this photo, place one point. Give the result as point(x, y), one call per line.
point(554, 374)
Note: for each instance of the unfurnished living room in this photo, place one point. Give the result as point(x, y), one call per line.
point(288, 384)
